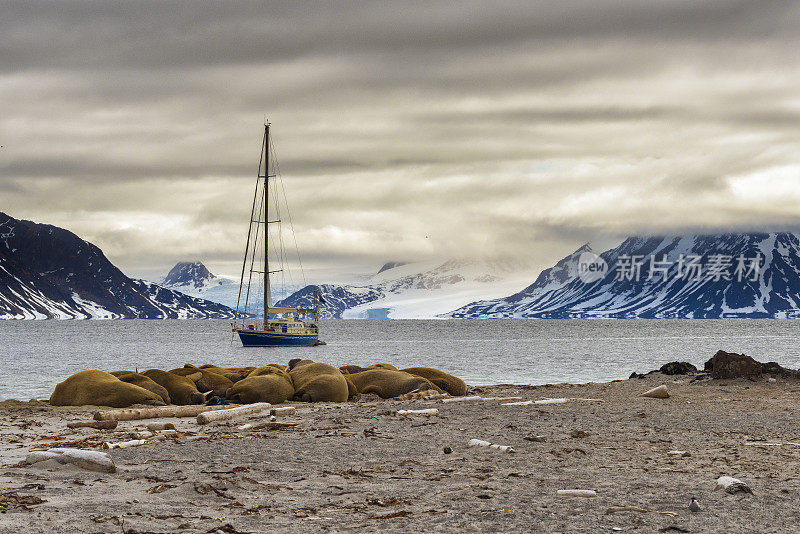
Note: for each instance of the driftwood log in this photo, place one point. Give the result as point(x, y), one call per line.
point(230, 413)
point(132, 414)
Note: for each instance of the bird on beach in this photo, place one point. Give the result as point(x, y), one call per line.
point(694, 506)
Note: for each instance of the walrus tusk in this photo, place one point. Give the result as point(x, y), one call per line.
point(230, 413)
point(480, 443)
point(131, 414)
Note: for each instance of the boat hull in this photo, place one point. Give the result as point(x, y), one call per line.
point(255, 338)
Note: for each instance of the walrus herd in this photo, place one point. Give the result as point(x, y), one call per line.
point(300, 380)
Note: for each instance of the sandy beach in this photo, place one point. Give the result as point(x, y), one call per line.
point(360, 466)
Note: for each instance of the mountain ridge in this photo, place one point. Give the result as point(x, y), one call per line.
point(688, 281)
point(49, 272)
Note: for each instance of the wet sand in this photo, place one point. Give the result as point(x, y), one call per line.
point(359, 466)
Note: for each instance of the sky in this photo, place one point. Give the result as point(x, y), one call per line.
point(404, 131)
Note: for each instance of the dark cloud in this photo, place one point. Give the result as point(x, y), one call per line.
point(413, 130)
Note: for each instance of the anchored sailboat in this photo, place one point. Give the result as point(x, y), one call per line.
point(280, 326)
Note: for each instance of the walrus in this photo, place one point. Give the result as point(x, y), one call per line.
point(317, 382)
point(270, 369)
point(350, 369)
point(234, 374)
point(388, 366)
point(352, 390)
point(182, 389)
point(101, 389)
point(447, 382)
point(387, 383)
point(143, 382)
point(205, 380)
point(272, 385)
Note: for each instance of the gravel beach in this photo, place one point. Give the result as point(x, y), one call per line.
point(360, 466)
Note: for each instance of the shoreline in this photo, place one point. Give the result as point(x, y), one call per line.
point(358, 465)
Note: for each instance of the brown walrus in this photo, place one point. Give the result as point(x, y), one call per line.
point(182, 389)
point(234, 374)
point(446, 382)
point(387, 383)
point(205, 380)
point(143, 382)
point(101, 389)
point(317, 382)
point(271, 385)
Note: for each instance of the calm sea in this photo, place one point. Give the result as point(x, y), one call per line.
point(38, 354)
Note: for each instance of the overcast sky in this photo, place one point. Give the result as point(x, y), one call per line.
point(403, 130)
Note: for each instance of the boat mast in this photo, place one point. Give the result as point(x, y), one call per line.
point(266, 225)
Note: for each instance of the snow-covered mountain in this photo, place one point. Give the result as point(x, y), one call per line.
point(416, 290)
point(193, 278)
point(749, 275)
point(49, 272)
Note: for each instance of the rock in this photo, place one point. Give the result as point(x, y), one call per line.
point(732, 365)
point(447, 450)
point(678, 368)
point(773, 368)
point(578, 434)
point(659, 392)
point(732, 485)
point(538, 439)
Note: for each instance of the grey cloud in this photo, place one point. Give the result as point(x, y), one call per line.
point(403, 130)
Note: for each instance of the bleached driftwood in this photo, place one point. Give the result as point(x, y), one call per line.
point(501, 399)
point(659, 392)
point(283, 410)
point(99, 425)
point(482, 443)
point(551, 401)
point(132, 414)
point(124, 444)
point(471, 398)
point(436, 396)
point(576, 493)
point(429, 411)
point(231, 413)
point(91, 460)
point(155, 427)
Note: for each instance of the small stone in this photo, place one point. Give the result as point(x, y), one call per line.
point(447, 450)
point(538, 439)
point(659, 392)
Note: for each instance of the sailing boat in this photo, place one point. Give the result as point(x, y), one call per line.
point(279, 326)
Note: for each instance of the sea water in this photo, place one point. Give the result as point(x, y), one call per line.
point(36, 355)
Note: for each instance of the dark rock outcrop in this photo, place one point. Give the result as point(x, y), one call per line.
point(678, 368)
point(732, 365)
